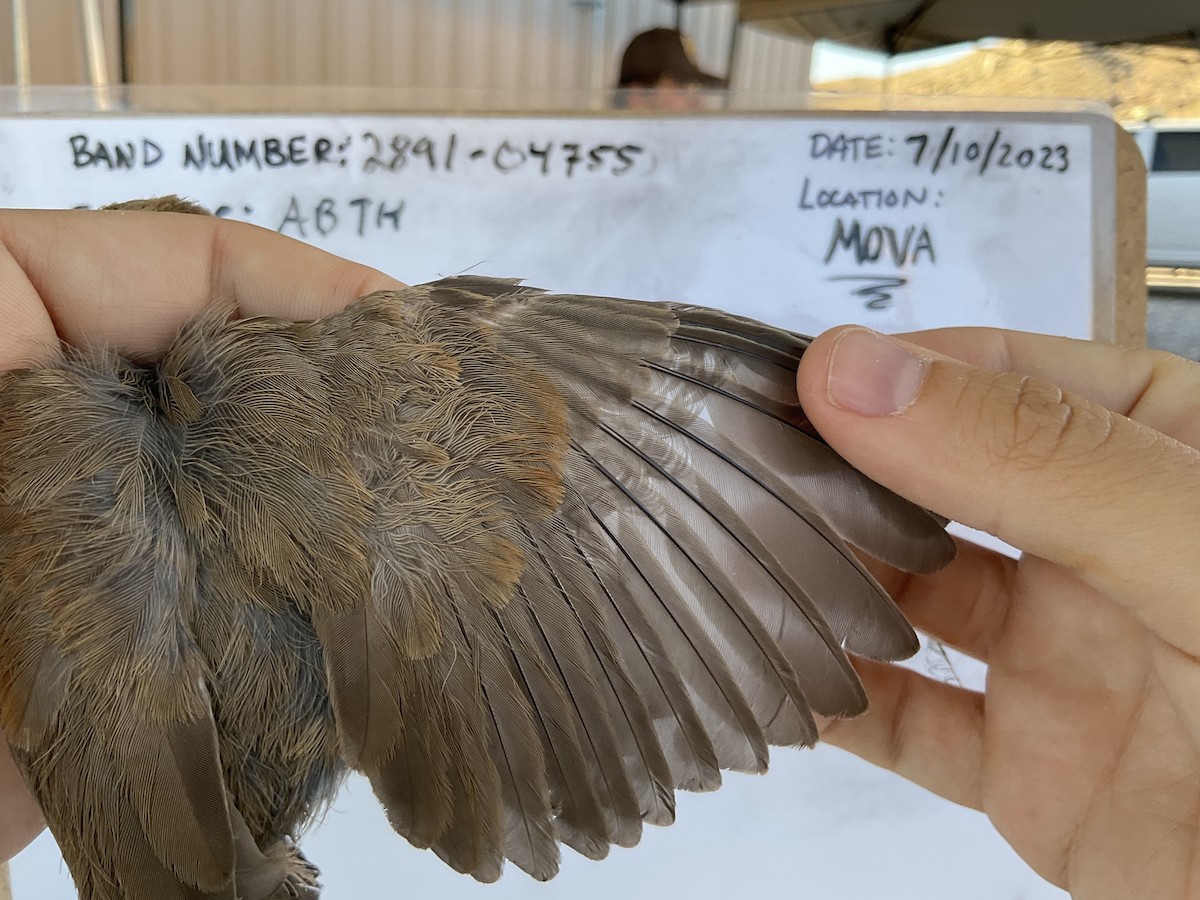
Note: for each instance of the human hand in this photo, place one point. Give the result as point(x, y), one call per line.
point(1084, 748)
point(21, 820)
point(129, 280)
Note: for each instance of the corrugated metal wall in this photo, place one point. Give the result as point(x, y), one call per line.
point(56, 40)
point(508, 44)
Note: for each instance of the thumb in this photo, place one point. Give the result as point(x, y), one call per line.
point(1050, 472)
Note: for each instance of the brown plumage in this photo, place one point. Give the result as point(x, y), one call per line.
point(529, 562)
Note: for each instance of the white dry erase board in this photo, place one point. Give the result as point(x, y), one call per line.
point(900, 220)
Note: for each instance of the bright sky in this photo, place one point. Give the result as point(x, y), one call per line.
point(833, 62)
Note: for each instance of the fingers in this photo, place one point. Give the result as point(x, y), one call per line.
point(965, 605)
point(928, 731)
point(1144, 385)
point(20, 818)
point(129, 280)
point(1051, 473)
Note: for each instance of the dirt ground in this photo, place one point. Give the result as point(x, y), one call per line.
point(1137, 81)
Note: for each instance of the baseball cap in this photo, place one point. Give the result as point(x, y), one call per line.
point(663, 52)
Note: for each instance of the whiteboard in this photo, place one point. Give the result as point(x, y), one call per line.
point(899, 221)
point(904, 221)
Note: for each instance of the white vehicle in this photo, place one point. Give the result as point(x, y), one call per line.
point(1171, 148)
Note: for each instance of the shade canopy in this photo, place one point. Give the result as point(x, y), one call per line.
point(895, 26)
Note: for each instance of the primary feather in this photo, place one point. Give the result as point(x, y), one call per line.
point(530, 562)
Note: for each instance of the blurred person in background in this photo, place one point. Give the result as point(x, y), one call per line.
point(658, 71)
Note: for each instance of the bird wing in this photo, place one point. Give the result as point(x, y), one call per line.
point(563, 555)
point(609, 559)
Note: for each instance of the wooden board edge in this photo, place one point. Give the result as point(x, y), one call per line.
point(1130, 232)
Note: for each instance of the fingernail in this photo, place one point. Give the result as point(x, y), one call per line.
point(873, 375)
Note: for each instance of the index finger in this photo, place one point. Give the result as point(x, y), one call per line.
point(129, 280)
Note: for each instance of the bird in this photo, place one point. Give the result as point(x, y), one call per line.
point(530, 562)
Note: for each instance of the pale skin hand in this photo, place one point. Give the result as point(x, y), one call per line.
point(128, 280)
point(1086, 753)
point(1085, 749)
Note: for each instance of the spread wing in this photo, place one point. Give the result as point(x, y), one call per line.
point(563, 556)
point(609, 559)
